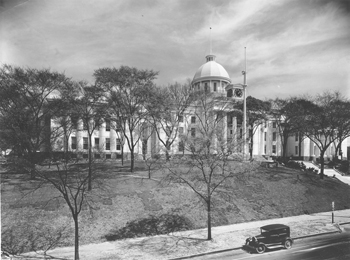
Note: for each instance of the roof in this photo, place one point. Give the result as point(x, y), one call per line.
point(274, 227)
point(211, 69)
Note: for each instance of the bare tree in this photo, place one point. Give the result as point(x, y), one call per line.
point(127, 91)
point(91, 109)
point(321, 123)
point(288, 114)
point(72, 184)
point(209, 161)
point(167, 110)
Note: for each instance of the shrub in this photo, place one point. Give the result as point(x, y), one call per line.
point(296, 165)
point(153, 225)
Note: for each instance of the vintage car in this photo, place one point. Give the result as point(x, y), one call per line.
point(271, 235)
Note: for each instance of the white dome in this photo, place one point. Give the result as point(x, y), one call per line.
point(210, 70)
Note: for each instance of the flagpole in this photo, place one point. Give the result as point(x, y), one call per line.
point(244, 103)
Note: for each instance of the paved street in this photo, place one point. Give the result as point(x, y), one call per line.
point(334, 246)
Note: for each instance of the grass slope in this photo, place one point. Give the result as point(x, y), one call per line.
point(267, 193)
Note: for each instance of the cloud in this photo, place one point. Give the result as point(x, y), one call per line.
point(297, 45)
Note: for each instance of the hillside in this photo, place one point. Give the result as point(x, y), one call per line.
point(267, 193)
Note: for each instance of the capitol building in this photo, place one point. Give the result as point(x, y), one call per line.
point(211, 77)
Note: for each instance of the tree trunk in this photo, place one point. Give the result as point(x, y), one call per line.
point(90, 163)
point(167, 156)
point(209, 218)
point(251, 147)
point(76, 239)
point(284, 146)
point(322, 164)
point(122, 154)
point(132, 158)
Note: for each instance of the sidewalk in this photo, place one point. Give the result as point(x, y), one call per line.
point(187, 243)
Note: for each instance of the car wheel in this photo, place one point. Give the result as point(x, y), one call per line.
point(260, 248)
point(288, 244)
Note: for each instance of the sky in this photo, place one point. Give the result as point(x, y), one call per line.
point(293, 47)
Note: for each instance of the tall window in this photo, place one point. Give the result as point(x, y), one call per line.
point(215, 86)
point(274, 149)
point(74, 142)
point(265, 134)
point(274, 124)
point(85, 143)
point(193, 119)
point(108, 125)
point(97, 142)
point(118, 144)
point(274, 136)
point(296, 149)
point(296, 137)
point(84, 125)
point(230, 93)
point(193, 132)
point(181, 118)
point(265, 149)
point(206, 87)
point(108, 144)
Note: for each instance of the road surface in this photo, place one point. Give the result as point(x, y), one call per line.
point(334, 246)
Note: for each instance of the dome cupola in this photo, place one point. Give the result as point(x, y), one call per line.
point(211, 70)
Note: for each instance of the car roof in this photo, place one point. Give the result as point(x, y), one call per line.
point(274, 227)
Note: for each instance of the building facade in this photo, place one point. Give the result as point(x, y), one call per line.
point(211, 77)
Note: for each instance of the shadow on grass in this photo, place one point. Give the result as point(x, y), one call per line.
point(169, 244)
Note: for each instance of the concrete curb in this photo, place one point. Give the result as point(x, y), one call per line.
point(237, 248)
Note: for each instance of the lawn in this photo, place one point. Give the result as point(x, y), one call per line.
point(124, 196)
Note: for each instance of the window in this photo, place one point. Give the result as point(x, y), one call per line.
point(181, 130)
point(193, 132)
point(297, 137)
point(74, 142)
point(85, 156)
point(230, 93)
point(193, 119)
point(198, 86)
point(215, 86)
point(108, 144)
point(206, 87)
point(274, 124)
point(181, 146)
point(274, 136)
point(84, 125)
point(265, 149)
point(181, 118)
point(97, 142)
point(108, 156)
point(274, 148)
point(85, 143)
point(97, 156)
point(265, 134)
point(108, 125)
point(118, 144)
point(296, 149)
